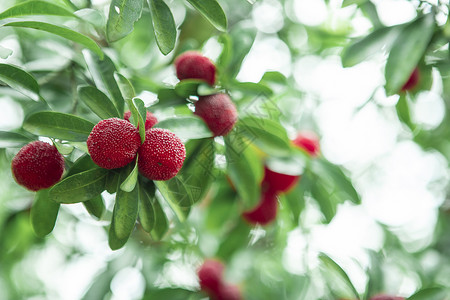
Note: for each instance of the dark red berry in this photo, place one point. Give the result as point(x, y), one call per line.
point(210, 275)
point(149, 122)
point(277, 182)
point(308, 141)
point(37, 166)
point(265, 212)
point(113, 143)
point(193, 65)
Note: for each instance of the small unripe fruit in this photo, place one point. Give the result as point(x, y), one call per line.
point(149, 122)
point(113, 143)
point(308, 141)
point(210, 275)
point(37, 166)
point(277, 182)
point(386, 297)
point(412, 82)
point(218, 112)
point(265, 212)
point(228, 292)
point(161, 155)
point(193, 65)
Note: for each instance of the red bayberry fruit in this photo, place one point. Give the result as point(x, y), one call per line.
point(277, 182)
point(412, 82)
point(308, 141)
point(193, 65)
point(228, 292)
point(386, 297)
point(37, 166)
point(265, 212)
point(149, 122)
point(210, 275)
point(218, 112)
point(113, 143)
point(161, 155)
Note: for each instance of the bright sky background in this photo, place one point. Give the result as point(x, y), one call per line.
point(392, 174)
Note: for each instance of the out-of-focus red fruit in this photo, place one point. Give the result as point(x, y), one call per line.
point(150, 121)
point(228, 292)
point(218, 112)
point(193, 65)
point(412, 82)
point(386, 297)
point(265, 212)
point(210, 275)
point(37, 166)
point(308, 141)
point(277, 182)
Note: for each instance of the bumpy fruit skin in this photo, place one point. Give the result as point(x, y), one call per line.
point(193, 65)
point(210, 275)
point(412, 82)
point(277, 182)
point(149, 122)
point(386, 297)
point(228, 292)
point(37, 166)
point(308, 141)
point(113, 143)
point(265, 212)
point(161, 155)
point(218, 112)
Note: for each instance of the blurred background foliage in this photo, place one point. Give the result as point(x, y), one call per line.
point(334, 67)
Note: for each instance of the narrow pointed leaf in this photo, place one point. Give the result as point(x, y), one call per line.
point(95, 206)
point(20, 80)
point(178, 195)
point(12, 139)
point(129, 183)
point(161, 222)
point(43, 213)
point(432, 293)
point(98, 102)
point(163, 25)
point(407, 51)
point(125, 212)
point(30, 8)
point(125, 86)
point(187, 127)
point(146, 210)
point(64, 32)
point(80, 187)
point(136, 117)
point(83, 163)
point(212, 11)
point(122, 16)
point(102, 72)
point(59, 126)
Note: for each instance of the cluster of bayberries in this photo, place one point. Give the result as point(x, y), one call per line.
point(275, 183)
point(210, 275)
point(114, 143)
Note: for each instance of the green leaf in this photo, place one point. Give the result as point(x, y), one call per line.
point(122, 16)
point(295, 199)
point(268, 135)
point(136, 117)
point(243, 37)
point(83, 163)
point(178, 194)
point(407, 51)
point(125, 86)
point(58, 125)
point(403, 111)
point(95, 206)
point(5, 52)
point(337, 273)
point(350, 2)
point(161, 222)
point(30, 8)
point(226, 55)
point(187, 127)
point(80, 187)
point(98, 102)
point(129, 183)
point(379, 40)
point(244, 168)
point(102, 72)
point(43, 213)
point(432, 293)
point(212, 11)
point(253, 88)
point(163, 25)
point(146, 202)
point(63, 148)
point(188, 87)
point(61, 31)
point(13, 139)
point(198, 167)
point(324, 197)
point(112, 181)
point(92, 16)
point(168, 98)
point(274, 76)
point(20, 80)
